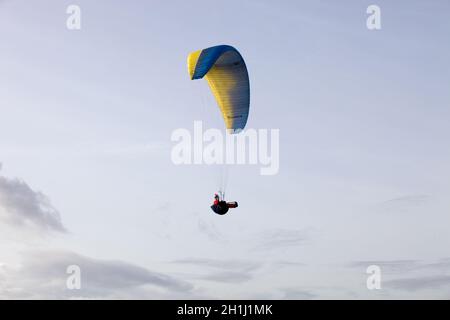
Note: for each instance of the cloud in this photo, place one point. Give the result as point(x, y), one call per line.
point(411, 275)
point(280, 238)
point(21, 206)
point(210, 230)
point(42, 275)
point(95, 149)
point(221, 264)
point(405, 266)
point(297, 294)
point(229, 276)
point(389, 266)
point(440, 265)
point(292, 264)
point(227, 271)
point(411, 199)
point(419, 283)
point(405, 204)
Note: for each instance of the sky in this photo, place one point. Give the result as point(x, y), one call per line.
point(86, 176)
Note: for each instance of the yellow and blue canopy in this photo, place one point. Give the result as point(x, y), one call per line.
point(225, 70)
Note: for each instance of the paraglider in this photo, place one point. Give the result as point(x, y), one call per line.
point(221, 207)
point(226, 73)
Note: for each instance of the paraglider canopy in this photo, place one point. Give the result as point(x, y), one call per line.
point(226, 73)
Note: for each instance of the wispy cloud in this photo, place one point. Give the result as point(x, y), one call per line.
point(210, 230)
point(43, 275)
point(281, 238)
point(411, 275)
point(405, 266)
point(228, 271)
point(419, 283)
point(389, 266)
point(126, 149)
point(297, 294)
point(291, 264)
point(229, 276)
point(405, 204)
point(221, 264)
point(21, 206)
